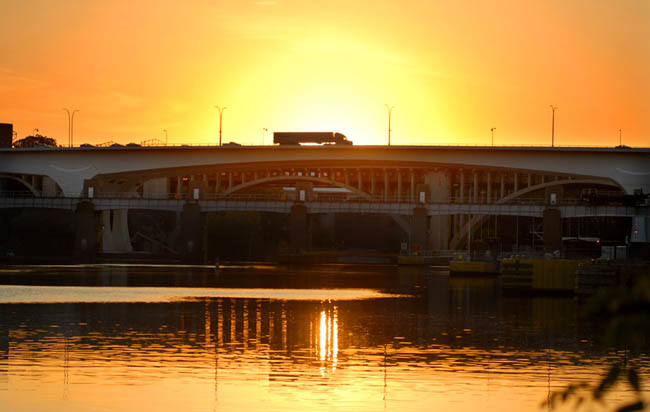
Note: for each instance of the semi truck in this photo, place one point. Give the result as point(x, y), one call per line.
point(296, 138)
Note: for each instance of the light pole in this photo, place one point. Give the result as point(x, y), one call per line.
point(165, 130)
point(70, 124)
point(553, 109)
point(390, 111)
point(264, 130)
point(221, 109)
point(620, 137)
point(14, 135)
point(492, 130)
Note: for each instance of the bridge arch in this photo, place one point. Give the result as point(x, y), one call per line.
point(400, 220)
point(294, 178)
point(476, 220)
point(23, 182)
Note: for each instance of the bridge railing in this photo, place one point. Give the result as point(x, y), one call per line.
point(316, 197)
point(16, 194)
point(323, 198)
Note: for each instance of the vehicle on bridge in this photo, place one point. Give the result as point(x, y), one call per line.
point(296, 138)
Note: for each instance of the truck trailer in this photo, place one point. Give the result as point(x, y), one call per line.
point(296, 138)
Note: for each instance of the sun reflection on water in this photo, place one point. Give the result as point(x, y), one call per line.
point(328, 341)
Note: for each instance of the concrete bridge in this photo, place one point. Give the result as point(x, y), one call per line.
point(445, 185)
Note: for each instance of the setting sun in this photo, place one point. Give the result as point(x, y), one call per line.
point(452, 70)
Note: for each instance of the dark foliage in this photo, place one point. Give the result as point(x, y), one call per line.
point(35, 141)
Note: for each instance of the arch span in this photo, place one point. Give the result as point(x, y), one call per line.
point(23, 182)
point(476, 220)
point(400, 220)
point(294, 178)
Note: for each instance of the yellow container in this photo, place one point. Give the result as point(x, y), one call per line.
point(539, 274)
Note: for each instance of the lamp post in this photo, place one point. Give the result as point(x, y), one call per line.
point(70, 125)
point(14, 135)
point(620, 137)
point(264, 130)
point(390, 111)
point(221, 109)
point(165, 130)
point(553, 109)
point(492, 130)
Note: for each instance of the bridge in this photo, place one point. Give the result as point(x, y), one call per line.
point(444, 189)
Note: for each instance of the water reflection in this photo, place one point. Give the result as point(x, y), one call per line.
point(328, 337)
point(453, 343)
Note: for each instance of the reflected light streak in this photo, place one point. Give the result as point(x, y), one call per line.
point(329, 337)
point(323, 335)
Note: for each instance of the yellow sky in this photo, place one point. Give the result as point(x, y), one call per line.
point(452, 69)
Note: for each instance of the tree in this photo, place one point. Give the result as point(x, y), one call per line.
point(35, 141)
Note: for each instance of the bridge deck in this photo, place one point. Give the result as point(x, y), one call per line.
point(365, 207)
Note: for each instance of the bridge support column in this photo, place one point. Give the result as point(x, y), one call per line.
point(640, 226)
point(191, 233)
point(475, 188)
point(461, 187)
point(399, 185)
point(299, 236)
point(552, 231)
point(488, 193)
point(85, 247)
point(640, 237)
point(121, 237)
point(385, 185)
point(439, 186)
point(419, 229)
point(502, 193)
point(115, 231)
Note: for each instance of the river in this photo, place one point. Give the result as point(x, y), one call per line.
point(248, 338)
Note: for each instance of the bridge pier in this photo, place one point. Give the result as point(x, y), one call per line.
point(191, 246)
point(439, 188)
point(115, 231)
point(299, 233)
point(552, 230)
point(85, 247)
point(552, 219)
point(419, 229)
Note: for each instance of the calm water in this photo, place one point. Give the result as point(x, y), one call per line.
point(116, 338)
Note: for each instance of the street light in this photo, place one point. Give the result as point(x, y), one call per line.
point(553, 108)
point(221, 109)
point(70, 124)
point(390, 111)
point(263, 131)
point(492, 130)
point(165, 130)
point(620, 138)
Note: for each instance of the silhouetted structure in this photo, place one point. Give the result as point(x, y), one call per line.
point(6, 134)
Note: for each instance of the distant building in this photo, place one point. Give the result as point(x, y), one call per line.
point(6, 134)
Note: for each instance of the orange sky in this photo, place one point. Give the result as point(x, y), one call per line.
point(452, 69)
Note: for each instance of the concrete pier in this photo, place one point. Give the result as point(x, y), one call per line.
point(86, 222)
